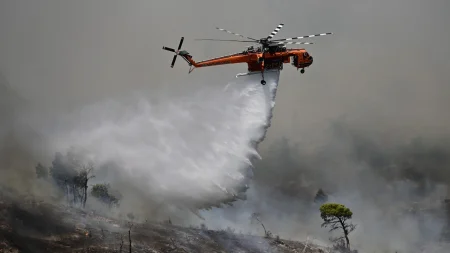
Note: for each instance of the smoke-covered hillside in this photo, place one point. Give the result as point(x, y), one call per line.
point(396, 190)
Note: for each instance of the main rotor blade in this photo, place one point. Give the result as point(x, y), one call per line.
point(275, 31)
point(294, 43)
point(169, 49)
point(237, 34)
point(302, 37)
point(229, 40)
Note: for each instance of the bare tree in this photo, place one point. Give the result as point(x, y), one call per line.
point(256, 216)
point(129, 235)
point(121, 243)
point(86, 175)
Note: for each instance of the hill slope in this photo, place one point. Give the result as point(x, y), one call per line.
point(31, 226)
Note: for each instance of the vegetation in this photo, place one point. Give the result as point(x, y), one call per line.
point(70, 175)
point(336, 216)
point(41, 171)
point(321, 197)
point(257, 217)
point(102, 192)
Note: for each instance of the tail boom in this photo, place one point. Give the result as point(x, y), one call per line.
point(229, 59)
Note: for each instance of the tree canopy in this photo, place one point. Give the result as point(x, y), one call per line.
point(321, 197)
point(102, 192)
point(41, 171)
point(331, 211)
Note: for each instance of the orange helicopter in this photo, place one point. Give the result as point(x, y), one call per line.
point(269, 56)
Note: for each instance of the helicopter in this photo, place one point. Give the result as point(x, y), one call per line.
point(270, 55)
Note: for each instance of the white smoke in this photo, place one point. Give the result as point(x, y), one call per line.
point(194, 149)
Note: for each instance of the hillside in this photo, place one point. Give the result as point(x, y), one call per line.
point(34, 227)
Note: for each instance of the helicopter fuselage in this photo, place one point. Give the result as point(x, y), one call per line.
point(257, 60)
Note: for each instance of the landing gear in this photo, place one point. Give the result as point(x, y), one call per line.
point(302, 71)
point(261, 60)
point(262, 81)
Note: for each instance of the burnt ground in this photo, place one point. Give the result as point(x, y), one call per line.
point(35, 227)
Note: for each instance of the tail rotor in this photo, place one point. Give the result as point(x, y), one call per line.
point(175, 51)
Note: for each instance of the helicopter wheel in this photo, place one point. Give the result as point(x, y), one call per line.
point(302, 71)
point(262, 81)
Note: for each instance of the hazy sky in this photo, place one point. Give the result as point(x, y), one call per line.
point(386, 66)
